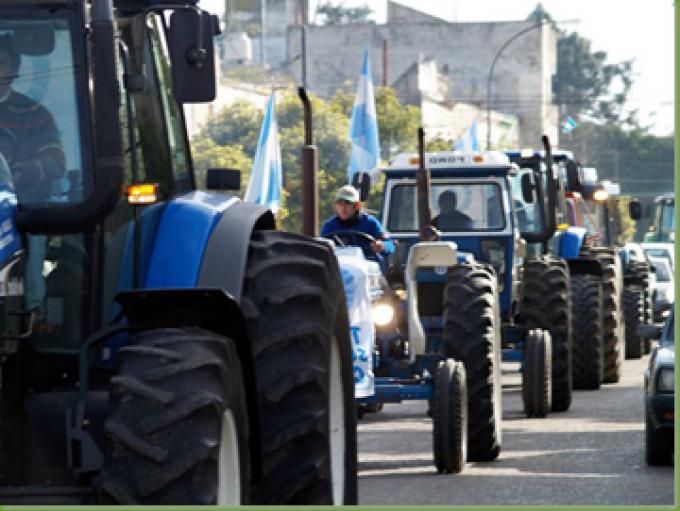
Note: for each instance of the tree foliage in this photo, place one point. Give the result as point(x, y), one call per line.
point(585, 82)
point(341, 15)
point(229, 139)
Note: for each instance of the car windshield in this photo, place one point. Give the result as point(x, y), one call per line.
point(658, 252)
point(670, 330)
point(663, 273)
point(456, 207)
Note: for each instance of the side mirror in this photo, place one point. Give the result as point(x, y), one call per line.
point(223, 179)
point(193, 56)
point(649, 331)
point(528, 188)
point(635, 209)
point(362, 182)
point(574, 176)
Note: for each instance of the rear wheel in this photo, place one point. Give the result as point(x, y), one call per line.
point(536, 374)
point(449, 432)
point(545, 304)
point(634, 304)
point(586, 320)
point(296, 316)
point(177, 427)
point(472, 335)
point(612, 322)
point(658, 445)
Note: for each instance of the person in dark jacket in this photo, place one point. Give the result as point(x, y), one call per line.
point(31, 148)
point(29, 139)
point(449, 218)
point(349, 217)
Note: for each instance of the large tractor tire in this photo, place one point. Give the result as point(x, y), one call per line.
point(586, 321)
point(296, 315)
point(638, 273)
point(449, 432)
point(536, 374)
point(633, 310)
point(472, 335)
point(545, 304)
point(177, 427)
point(612, 322)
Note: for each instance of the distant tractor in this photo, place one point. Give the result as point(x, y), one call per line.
point(168, 346)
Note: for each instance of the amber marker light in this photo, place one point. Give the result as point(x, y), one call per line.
point(142, 193)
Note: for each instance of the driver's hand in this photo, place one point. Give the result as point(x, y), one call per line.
point(377, 246)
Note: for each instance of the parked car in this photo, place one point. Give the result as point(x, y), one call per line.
point(665, 250)
point(660, 394)
point(663, 294)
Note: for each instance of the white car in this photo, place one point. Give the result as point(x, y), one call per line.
point(664, 292)
point(663, 250)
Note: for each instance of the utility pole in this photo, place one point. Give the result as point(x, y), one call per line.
point(384, 63)
point(263, 35)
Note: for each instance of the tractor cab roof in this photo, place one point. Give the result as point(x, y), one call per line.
point(452, 164)
point(559, 155)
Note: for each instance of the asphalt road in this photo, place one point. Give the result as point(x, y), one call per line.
point(592, 454)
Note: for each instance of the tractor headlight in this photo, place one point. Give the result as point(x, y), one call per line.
point(665, 380)
point(383, 313)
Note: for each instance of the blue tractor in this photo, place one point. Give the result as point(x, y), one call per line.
point(455, 286)
point(596, 270)
point(168, 345)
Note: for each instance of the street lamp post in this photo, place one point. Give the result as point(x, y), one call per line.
point(488, 80)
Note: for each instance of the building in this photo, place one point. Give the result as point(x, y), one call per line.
point(520, 86)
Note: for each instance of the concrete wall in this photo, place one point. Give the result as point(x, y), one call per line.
point(464, 51)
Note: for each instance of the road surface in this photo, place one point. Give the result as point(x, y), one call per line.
point(591, 455)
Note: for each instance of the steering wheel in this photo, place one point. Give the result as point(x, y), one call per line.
point(354, 238)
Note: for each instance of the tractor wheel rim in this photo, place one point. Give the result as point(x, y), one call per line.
point(336, 425)
point(229, 468)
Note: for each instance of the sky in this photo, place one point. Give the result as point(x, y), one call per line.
point(624, 29)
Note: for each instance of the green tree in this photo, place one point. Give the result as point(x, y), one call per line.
point(585, 82)
point(341, 15)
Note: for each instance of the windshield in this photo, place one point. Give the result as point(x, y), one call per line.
point(456, 207)
point(662, 271)
point(40, 154)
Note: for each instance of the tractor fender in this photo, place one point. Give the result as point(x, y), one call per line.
point(226, 253)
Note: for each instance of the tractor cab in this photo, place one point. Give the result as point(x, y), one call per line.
point(470, 196)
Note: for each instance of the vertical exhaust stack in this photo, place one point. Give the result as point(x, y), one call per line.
point(551, 185)
point(425, 229)
point(310, 181)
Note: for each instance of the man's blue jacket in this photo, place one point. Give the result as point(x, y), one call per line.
point(364, 223)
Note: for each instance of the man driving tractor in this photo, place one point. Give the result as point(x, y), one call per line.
point(349, 217)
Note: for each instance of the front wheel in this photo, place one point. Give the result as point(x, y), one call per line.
point(449, 432)
point(536, 374)
point(177, 428)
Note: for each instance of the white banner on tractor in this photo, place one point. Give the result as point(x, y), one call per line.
point(357, 290)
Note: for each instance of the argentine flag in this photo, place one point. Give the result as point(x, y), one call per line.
point(264, 186)
point(363, 130)
point(568, 125)
point(468, 142)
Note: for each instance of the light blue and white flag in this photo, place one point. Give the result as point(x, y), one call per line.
point(363, 130)
point(469, 140)
point(568, 125)
point(264, 186)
